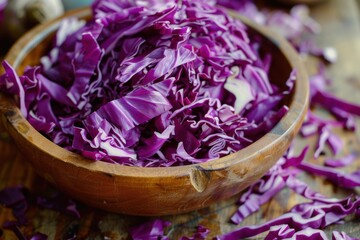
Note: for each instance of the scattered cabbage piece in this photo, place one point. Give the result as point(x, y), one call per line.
point(152, 230)
point(280, 232)
point(342, 236)
point(310, 233)
point(315, 125)
point(268, 186)
point(340, 162)
point(342, 179)
point(39, 236)
point(327, 100)
point(313, 215)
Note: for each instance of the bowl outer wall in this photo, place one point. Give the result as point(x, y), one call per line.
point(149, 191)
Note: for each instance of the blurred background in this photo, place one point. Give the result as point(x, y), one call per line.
point(18, 16)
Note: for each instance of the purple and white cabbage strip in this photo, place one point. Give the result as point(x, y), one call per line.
point(268, 186)
point(152, 230)
point(302, 217)
point(341, 162)
point(159, 84)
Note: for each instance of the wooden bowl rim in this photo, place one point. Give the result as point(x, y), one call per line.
point(269, 140)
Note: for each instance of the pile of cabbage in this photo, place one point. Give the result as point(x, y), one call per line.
point(151, 83)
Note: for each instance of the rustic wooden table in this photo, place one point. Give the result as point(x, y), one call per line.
point(340, 23)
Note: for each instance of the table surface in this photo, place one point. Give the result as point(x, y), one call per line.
point(340, 28)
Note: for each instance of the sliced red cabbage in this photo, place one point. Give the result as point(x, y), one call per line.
point(12, 84)
point(343, 111)
point(320, 212)
point(342, 236)
point(280, 232)
point(340, 162)
point(315, 125)
point(251, 202)
point(152, 230)
point(327, 100)
point(310, 233)
point(319, 81)
point(335, 143)
point(347, 119)
point(284, 232)
point(315, 215)
point(292, 25)
point(39, 236)
point(323, 138)
point(85, 63)
point(342, 179)
point(268, 186)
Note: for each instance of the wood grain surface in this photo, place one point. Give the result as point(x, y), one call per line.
point(340, 23)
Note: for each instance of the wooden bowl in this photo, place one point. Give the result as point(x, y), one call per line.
point(154, 191)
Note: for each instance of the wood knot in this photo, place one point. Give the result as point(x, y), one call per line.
point(199, 178)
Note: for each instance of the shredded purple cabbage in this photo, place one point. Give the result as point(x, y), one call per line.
point(268, 186)
point(152, 230)
point(342, 236)
point(327, 100)
point(280, 232)
point(161, 84)
point(313, 215)
point(39, 236)
point(340, 162)
point(345, 180)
